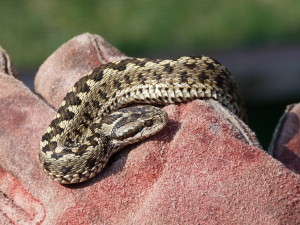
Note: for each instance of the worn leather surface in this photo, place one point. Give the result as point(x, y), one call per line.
point(205, 167)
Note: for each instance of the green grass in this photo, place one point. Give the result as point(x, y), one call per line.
point(31, 30)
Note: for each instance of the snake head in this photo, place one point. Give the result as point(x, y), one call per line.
point(134, 123)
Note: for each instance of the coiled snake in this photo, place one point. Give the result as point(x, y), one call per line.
point(92, 123)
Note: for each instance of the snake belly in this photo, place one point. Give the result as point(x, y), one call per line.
point(79, 141)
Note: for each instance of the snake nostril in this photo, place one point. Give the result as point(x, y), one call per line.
point(148, 123)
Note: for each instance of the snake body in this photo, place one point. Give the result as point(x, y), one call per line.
point(94, 119)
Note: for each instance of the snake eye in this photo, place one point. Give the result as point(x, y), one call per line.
point(148, 123)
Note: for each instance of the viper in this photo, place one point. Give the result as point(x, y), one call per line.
point(116, 104)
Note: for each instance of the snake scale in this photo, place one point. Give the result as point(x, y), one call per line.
point(100, 114)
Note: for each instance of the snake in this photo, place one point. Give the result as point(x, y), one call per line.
point(119, 103)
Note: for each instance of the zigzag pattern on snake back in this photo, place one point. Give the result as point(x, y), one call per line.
point(91, 125)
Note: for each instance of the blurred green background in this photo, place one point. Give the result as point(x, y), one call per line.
point(258, 40)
